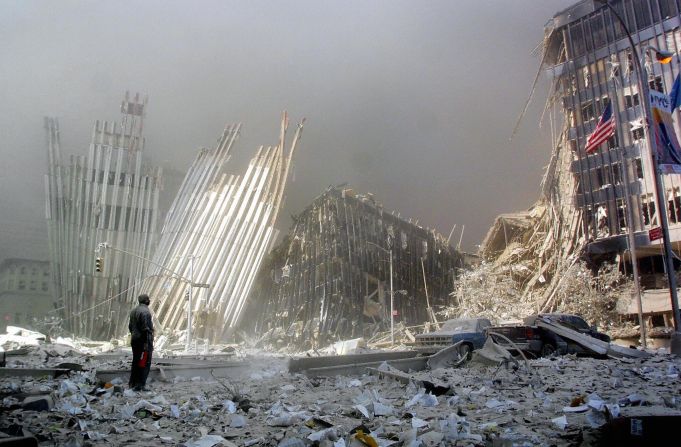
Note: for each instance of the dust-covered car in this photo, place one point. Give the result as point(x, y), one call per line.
point(471, 331)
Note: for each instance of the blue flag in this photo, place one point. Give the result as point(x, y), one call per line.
point(675, 95)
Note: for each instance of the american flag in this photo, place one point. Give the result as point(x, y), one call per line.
point(604, 130)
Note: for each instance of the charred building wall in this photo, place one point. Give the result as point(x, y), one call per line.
point(330, 277)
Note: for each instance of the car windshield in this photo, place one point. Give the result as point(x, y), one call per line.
point(460, 325)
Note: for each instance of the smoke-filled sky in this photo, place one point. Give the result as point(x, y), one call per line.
point(412, 101)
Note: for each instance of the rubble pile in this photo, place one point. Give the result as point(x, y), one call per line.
point(492, 292)
point(550, 401)
point(532, 261)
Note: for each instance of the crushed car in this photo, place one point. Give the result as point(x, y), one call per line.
point(541, 341)
point(469, 331)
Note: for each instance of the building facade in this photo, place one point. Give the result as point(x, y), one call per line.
point(25, 292)
point(589, 61)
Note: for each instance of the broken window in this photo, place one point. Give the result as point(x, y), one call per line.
point(588, 111)
point(674, 206)
point(621, 214)
point(612, 142)
point(601, 178)
point(587, 76)
point(616, 173)
point(631, 100)
point(656, 84)
point(639, 168)
point(602, 224)
point(614, 67)
point(648, 209)
point(630, 63)
point(637, 134)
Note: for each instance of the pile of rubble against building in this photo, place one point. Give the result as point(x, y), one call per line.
point(532, 260)
point(492, 400)
point(215, 236)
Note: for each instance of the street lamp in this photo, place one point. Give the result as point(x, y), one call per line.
point(663, 57)
point(392, 301)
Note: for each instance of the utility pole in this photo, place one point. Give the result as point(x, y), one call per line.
point(189, 303)
point(392, 300)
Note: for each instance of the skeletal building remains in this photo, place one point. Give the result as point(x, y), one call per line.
point(108, 195)
point(330, 277)
point(215, 236)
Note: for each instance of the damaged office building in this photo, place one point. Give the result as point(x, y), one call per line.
point(108, 195)
point(592, 67)
point(330, 279)
point(570, 252)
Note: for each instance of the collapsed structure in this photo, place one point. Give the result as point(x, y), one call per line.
point(215, 236)
point(109, 195)
point(330, 278)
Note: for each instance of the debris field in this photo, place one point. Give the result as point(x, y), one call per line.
point(550, 401)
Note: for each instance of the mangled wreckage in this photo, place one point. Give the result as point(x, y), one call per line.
point(102, 214)
point(108, 195)
point(330, 279)
point(215, 236)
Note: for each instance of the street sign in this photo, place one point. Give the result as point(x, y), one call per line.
point(201, 285)
point(655, 233)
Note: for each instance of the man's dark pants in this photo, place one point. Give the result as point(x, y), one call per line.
point(138, 375)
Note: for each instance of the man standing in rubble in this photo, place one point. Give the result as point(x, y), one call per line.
point(142, 342)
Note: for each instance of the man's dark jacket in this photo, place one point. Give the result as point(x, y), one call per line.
point(141, 327)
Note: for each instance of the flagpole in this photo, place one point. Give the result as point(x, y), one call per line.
point(675, 347)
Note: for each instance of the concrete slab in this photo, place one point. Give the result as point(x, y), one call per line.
point(169, 372)
point(304, 363)
point(32, 372)
point(354, 369)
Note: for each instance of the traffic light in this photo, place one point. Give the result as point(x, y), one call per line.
point(99, 265)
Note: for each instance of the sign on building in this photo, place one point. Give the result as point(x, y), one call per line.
point(655, 234)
